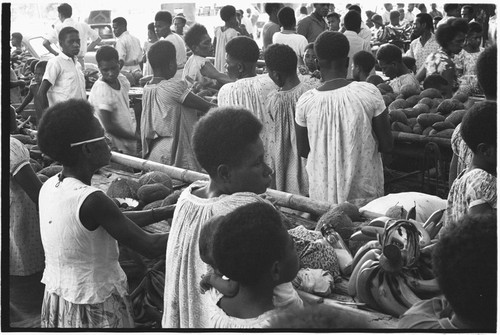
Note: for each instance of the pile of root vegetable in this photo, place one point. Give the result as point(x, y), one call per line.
point(424, 112)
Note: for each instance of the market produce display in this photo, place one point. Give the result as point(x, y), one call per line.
point(394, 271)
point(424, 112)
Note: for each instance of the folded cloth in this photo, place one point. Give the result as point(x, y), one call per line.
point(314, 254)
point(315, 281)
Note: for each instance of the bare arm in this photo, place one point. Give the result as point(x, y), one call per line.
point(48, 46)
point(26, 101)
point(421, 74)
point(99, 210)
point(93, 43)
point(29, 182)
point(302, 140)
point(194, 101)
point(147, 217)
point(42, 93)
point(208, 70)
point(482, 209)
point(114, 128)
point(382, 127)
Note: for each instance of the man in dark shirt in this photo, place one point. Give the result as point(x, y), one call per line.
point(314, 24)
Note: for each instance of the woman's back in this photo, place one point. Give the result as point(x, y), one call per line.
point(344, 162)
point(81, 265)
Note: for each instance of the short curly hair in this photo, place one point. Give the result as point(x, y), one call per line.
point(435, 80)
point(120, 21)
point(194, 35)
point(65, 32)
point(352, 20)
point(221, 136)
point(447, 31)
point(62, 124)
point(331, 45)
point(227, 12)
point(65, 9)
point(248, 241)
point(389, 53)
point(164, 16)
point(281, 58)
point(269, 7)
point(244, 49)
point(475, 27)
point(425, 18)
point(286, 17)
point(365, 60)
point(161, 53)
point(106, 53)
point(486, 68)
point(465, 264)
point(479, 125)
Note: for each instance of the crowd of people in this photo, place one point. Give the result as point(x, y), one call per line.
point(311, 122)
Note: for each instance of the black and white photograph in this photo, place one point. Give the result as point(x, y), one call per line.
point(243, 167)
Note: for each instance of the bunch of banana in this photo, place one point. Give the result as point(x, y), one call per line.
point(392, 273)
point(147, 298)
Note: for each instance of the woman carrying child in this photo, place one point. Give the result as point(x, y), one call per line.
point(169, 112)
point(227, 145)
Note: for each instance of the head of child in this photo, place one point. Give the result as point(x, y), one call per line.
point(251, 246)
point(390, 60)
point(352, 21)
point(69, 41)
point(438, 82)
point(474, 37)
point(281, 63)
point(331, 49)
point(362, 64)
point(310, 57)
point(206, 241)
point(479, 131)
point(70, 134)
point(39, 70)
point(228, 15)
point(108, 64)
point(486, 67)
point(163, 21)
point(161, 56)
point(227, 145)
point(333, 21)
point(465, 263)
point(152, 33)
point(410, 63)
point(16, 40)
point(198, 40)
point(286, 18)
point(242, 54)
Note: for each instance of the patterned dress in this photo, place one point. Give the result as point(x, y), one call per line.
point(465, 63)
point(252, 93)
point(473, 187)
point(25, 244)
point(440, 62)
point(344, 163)
point(167, 125)
point(290, 168)
point(405, 79)
point(460, 148)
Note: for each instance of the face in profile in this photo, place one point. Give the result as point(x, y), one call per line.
point(252, 174)
point(310, 60)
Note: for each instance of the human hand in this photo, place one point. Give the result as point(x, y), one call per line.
point(205, 283)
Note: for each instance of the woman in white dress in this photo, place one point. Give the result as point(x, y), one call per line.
point(341, 128)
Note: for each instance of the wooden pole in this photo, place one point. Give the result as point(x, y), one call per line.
point(293, 201)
